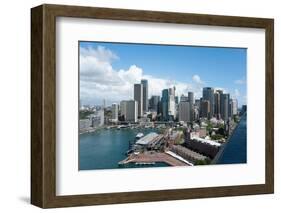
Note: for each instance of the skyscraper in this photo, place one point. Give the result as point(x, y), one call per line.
point(154, 103)
point(197, 109)
point(131, 112)
point(234, 106)
point(205, 109)
point(177, 99)
point(97, 118)
point(244, 109)
point(184, 111)
point(114, 112)
point(172, 103)
point(138, 96)
point(123, 109)
point(230, 108)
point(218, 96)
point(197, 103)
point(165, 103)
point(183, 98)
point(208, 95)
point(225, 106)
point(144, 83)
point(172, 91)
point(191, 103)
point(191, 97)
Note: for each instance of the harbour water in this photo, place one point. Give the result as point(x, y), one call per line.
point(235, 150)
point(104, 148)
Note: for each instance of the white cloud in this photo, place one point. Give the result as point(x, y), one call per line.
point(240, 81)
point(225, 90)
point(100, 53)
point(99, 80)
point(236, 93)
point(197, 79)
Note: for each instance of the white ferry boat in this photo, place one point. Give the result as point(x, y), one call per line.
point(139, 135)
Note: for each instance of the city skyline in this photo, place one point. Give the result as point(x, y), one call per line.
point(104, 72)
point(150, 105)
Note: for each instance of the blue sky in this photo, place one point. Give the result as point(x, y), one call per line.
point(195, 67)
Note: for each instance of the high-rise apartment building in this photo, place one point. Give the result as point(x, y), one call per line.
point(138, 96)
point(191, 97)
point(205, 109)
point(131, 112)
point(172, 103)
point(183, 98)
point(191, 103)
point(234, 106)
point(154, 102)
point(208, 95)
point(184, 111)
point(123, 108)
point(165, 104)
point(217, 97)
point(114, 112)
point(144, 83)
point(225, 106)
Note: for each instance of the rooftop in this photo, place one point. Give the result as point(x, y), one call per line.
point(147, 139)
point(213, 143)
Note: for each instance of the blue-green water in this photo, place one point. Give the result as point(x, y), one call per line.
point(236, 148)
point(104, 148)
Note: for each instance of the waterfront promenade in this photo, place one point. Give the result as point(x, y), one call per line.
point(148, 157)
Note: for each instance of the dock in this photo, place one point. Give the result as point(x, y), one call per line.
point(148, 157)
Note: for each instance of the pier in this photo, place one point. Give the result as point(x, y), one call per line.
point(149, 157)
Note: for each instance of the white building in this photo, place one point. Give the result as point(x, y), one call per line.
point(172, 102)
point(97, 118)
point(123, 108)
point(85, 124)
point(234, 106)
point(129, 109)
point(172, 106)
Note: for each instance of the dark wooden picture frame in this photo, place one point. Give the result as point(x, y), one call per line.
point(43, 105)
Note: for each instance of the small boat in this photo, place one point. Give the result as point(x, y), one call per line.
point(121, 127)
point(139, 135)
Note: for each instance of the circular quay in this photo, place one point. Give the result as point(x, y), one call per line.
point(158, 106)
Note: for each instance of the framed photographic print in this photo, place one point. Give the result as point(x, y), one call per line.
point(136, 106)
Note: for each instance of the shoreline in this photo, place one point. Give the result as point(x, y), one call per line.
point(116, 128)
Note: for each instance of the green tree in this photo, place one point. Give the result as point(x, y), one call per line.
point(209, 127)
point(217, 137)
point(84, 114)
point(221, 131)
point(207, 161)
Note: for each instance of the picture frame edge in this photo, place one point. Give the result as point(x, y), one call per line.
point(43, 113)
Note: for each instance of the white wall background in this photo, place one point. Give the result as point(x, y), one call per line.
point(15, 105)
